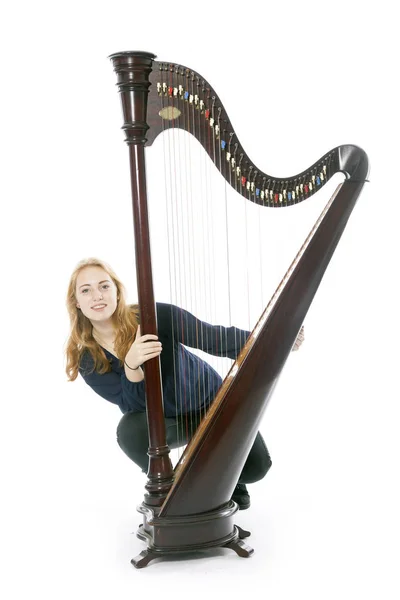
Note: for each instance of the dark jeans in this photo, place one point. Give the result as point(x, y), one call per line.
point(133, 439)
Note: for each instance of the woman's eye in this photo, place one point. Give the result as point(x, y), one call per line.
point(106, 286)
point(86, 290)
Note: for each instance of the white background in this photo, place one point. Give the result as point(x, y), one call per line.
point(297, 79)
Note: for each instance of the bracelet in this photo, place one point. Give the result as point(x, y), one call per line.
point(126, 364)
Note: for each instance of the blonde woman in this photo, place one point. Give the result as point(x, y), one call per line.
point(107, 349)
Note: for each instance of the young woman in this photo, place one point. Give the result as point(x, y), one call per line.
point(107, 349)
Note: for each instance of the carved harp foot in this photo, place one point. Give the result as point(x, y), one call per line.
point(143, 559)
point(243, 533)
point(240, 548)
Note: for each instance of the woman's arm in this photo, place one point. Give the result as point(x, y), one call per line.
point(188, 330)
point(114, 387)
point(214, 339)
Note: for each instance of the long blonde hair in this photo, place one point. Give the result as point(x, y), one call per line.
point(125, 319)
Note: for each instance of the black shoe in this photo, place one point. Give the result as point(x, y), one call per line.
point(241, 496)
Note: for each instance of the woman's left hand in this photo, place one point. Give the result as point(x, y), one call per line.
point(299, 339)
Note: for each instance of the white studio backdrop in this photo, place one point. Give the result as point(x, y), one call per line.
point(296, 79)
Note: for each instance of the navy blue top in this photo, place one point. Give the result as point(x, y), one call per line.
point(188, 381)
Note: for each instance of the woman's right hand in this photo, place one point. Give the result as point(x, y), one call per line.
point(143, 349)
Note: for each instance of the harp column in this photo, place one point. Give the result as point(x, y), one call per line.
point(133, 70)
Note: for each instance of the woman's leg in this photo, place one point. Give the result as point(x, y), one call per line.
point(133, 436)
point(258, 462)
point(133, 439)
point(255, 468)
point(179, 431)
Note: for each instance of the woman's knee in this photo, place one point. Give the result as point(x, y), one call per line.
point(132, 425)
point(258, 462)
point(133, 438)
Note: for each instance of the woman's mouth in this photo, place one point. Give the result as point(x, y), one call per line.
point(99, 307)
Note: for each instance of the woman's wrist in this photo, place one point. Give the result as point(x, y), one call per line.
point(133, 375)
point(131, 368)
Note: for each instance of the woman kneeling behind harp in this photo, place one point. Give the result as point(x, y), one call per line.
point(106, 347)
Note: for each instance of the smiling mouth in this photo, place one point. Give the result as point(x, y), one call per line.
point(99, 307)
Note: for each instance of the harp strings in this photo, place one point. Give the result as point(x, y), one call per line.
point(215, 221)
point(208, 274)
point(180, 219)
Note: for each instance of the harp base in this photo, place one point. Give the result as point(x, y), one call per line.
point(166, 536)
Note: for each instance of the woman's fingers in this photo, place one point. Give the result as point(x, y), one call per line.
point(147, 357)
point(148, 335)
point(148, 347)
point(145, 338)
point(151, 355)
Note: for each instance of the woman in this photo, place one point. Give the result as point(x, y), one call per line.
point(106, 347)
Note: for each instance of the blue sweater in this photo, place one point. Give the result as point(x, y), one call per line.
point(188, 382)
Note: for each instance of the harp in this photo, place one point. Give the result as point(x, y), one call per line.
point(179, 514)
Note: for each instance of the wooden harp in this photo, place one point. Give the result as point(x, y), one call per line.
point(179, 514)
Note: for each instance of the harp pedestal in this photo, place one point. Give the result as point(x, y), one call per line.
point(180, 535)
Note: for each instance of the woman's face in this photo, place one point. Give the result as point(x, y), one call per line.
point(96, 293)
